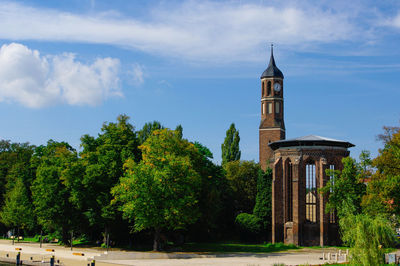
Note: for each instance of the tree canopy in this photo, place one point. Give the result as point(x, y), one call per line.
point(147, 129)
point(103, 159)
point(242, 178)
point(366, 213)
point(383, 190)
point(345, 188)
point(155, 181)
point(51, 197)
point(230, 147)
point(17, 211)
point(162, 191)
point(263, 206)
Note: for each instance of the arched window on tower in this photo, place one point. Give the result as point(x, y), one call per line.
point(311, 193)
point(269, 108)
point(277, 107)
point(269, 88)
point(262, 89)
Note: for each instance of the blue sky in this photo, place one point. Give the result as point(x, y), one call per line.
point(68, 66)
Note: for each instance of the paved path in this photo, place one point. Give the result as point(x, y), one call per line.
point(33, 250)
point(66, 257)
point(234, 259)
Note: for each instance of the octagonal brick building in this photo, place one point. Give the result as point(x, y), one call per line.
point(298, 210)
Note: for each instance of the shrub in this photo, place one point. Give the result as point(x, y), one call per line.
point(249, 226)
point(367, 236)
point(263, 207)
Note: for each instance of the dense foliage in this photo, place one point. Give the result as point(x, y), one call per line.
point(154, 186)
point(50, 194)
point(162, 191)
point(230, 147)
point(345, 188)
point(242, 179)
point(126, 185)
point(263, 206)
point(249, 226)
point(103, 159)
point(368, 213)
point(383, 189)
point(367, 235)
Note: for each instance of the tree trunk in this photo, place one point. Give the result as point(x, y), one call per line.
point(156, 244)
point(106, 233)
point(65, 237)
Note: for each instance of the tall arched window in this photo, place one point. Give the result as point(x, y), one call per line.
point(269, 108)
point(311, 193)
point(262, 89)
point(289, 191)
point(332, 214)
point(269, 88)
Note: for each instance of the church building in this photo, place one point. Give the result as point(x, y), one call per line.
point(298, 166)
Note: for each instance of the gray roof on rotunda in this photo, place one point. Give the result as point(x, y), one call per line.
point(310, 140)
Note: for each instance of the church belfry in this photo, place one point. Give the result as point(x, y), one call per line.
point(272, 126)
point(298, 170)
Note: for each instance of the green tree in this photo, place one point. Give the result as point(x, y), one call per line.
point(15, 170)
point(383, 190)
point(18, 210)
point(345, 188)
point(214, 200)
point(362, 226)
point(242, 180)
point(230, 147)
point(365, 160)
point(103, 159)
point(161, 192)
point(249, 226)
point(179, 131)
point(263, 206)
point(51, 197)
point(207, 154)
point(367, 236)
point(147, 129)
point(15, 163)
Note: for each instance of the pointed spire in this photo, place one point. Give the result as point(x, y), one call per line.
point(272, 70)
point(272, 59)
point(272, 49)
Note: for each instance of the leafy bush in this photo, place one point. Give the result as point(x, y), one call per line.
point(249, 226)
point(263, 207)
point(367, 236)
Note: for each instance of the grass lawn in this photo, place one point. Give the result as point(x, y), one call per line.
point(224, 247)
point(236, 247)
point(337, 247)
point(76, 242)
point(30, 239)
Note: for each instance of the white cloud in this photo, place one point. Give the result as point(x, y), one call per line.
point(35, 81)
point(191, 30)
point(137, 74)
point(395, 21)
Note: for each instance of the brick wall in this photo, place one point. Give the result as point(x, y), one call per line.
point(299, 231)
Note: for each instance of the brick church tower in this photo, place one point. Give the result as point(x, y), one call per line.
point(272, 126)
